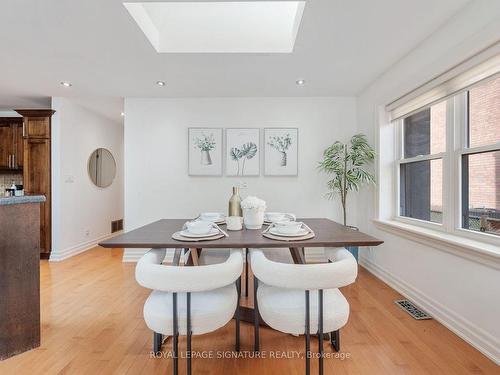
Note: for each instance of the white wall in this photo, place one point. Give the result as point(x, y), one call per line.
point(460, 292)
point(157, 184)
point(82, 212)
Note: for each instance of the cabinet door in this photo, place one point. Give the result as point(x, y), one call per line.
point(37, 127)
point(5, 146)
point(19, 146)
point(37, 181)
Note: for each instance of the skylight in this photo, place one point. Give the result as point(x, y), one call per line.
point(219, 27)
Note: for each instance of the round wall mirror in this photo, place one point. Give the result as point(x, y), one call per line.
point(102, 167)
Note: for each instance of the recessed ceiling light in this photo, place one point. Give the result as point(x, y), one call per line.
point(300, 82)
point(66, 84)
point(160, 83)
point(122, 114)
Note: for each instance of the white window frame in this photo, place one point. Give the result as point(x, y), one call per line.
point(456, 147)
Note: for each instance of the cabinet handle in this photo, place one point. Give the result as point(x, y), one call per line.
point(24, 133)
point(10, 161)
point(14, 165)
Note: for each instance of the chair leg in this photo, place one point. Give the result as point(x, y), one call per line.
point(157, 339)
point(175, 341)
point(237, 316)
point(335, 340)
point(320, 330)
point(246, 272)
point(256, 315)
point(188, 332)
point(308, 335)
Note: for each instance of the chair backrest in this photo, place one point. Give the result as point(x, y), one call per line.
point(341, 272)
point(150, 273)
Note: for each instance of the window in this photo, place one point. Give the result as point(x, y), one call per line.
point(481, 160)
point(448, 165)
point(421, 169)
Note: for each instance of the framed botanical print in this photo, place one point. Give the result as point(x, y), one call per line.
point(242, 152)
point(205, 151)
point(281, 148)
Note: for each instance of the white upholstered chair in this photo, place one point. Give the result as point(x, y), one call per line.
point(303, 298)
point(189, 300)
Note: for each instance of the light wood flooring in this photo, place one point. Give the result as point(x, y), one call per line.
point(92, 324)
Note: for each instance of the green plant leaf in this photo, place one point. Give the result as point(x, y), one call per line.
point(346, 163)
point(235, 153)
point(249, 150)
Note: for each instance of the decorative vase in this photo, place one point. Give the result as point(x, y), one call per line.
point(206, 159)
point(253, 218)
point(283, 159)
point(235, 203)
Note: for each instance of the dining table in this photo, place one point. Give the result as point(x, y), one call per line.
point(327, 233)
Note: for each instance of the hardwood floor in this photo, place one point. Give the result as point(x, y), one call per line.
point(92, 324)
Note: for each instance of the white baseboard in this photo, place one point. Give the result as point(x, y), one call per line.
point(58, 255)
point(468, 331)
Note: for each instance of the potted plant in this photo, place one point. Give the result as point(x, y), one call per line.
point(346, 163)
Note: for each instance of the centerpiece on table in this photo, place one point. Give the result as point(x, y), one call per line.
point(253, 212)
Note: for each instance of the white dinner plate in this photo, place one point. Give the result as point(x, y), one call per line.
point(219, 220)
point(300, 233)
point(286, 218)
point(186, 233)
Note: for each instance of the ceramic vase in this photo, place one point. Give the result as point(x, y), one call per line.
point(253, 218)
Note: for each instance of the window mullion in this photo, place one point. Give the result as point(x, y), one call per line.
point(448, 197)
point(460, 141)
point(399, 155)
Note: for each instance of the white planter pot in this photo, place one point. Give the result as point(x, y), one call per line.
point(253, 218)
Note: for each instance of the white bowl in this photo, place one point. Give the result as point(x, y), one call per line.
point(288, 227)
point(210, 216)
point(199, 227)
point(275, 216)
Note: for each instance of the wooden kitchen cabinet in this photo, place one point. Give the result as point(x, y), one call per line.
point(5, 150)
point(37, 127)
point(36, 176)
point(11, 143)
point(18, 146)
point(37, 168)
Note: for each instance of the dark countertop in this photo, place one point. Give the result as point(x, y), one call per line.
point(22, 199)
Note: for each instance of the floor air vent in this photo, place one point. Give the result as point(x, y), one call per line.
point(411, 309)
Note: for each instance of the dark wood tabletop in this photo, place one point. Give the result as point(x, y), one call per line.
point(159, 235)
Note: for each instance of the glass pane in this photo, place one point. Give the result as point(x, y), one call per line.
point(484, 114)
point(421, 190)
point(425, 131)
point(481, 192)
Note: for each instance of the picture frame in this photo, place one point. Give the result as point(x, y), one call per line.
point(281, 151)
point(242, 152)
point(205, 146)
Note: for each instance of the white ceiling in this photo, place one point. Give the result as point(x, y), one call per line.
point(341, 46)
